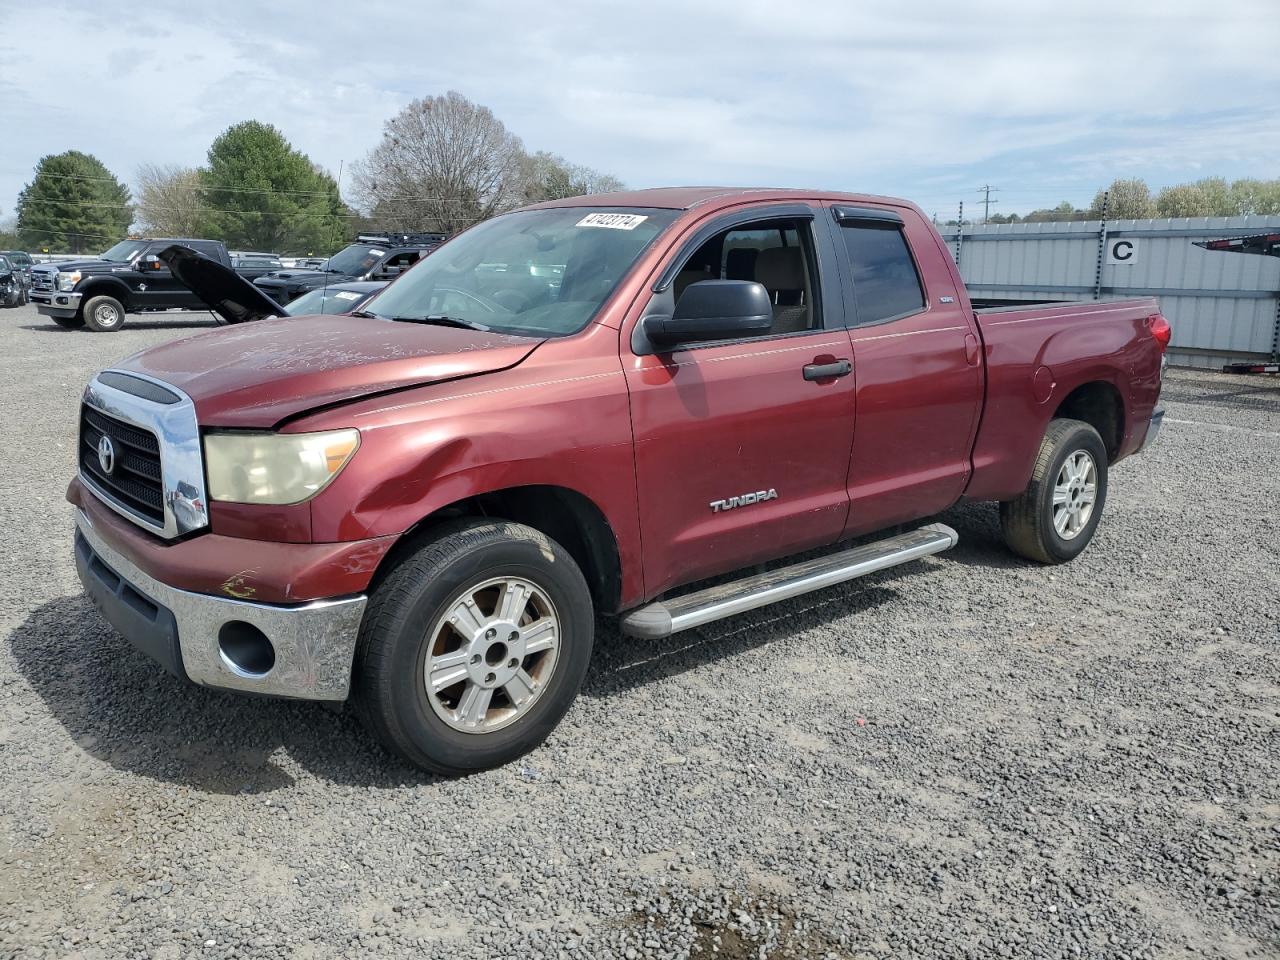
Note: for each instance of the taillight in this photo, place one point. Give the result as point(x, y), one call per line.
point(1160, 330)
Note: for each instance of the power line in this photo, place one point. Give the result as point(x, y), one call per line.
point(266, 190)
point(318, 214)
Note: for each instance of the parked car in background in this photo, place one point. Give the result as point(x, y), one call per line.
point(425, 505)
point(23, 261)
point(253, 265)
point(234, 300)
point(13, 284)
point(343, 297)
point(371, 257)
point(97, 292)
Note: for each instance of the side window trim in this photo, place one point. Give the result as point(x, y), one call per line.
point(826, 269)
point(781, 211)
point(892, 220)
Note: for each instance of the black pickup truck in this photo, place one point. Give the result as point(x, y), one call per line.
point(129, 278)
point(371, 257)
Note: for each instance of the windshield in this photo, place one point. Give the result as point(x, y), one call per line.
point(326, 300)
point(124, 251)
point(539, 272)
point(355, 260)
point(4, 266)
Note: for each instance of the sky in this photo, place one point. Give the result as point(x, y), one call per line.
point(928, 100)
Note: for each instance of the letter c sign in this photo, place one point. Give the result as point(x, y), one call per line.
point(1122, 250)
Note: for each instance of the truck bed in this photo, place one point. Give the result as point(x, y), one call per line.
point(1032, 349)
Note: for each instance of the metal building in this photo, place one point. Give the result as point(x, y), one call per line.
point(1224, 304)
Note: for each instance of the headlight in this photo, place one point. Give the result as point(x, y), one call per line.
point(68, 281)
point(276, 468)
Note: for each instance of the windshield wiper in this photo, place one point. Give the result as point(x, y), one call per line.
point(442, 320)
point(368, 314)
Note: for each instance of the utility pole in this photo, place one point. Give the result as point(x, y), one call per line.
point(987, 190)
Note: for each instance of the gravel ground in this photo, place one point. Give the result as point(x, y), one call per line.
point(969, 756)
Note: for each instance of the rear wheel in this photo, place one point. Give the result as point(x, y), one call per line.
point(474, 647)
point(1056, 516)
point(103, 314)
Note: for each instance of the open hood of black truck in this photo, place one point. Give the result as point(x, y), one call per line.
point(227, 294)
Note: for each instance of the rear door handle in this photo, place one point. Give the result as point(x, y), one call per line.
point(827, 371)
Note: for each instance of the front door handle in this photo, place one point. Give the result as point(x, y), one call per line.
point(827, 371)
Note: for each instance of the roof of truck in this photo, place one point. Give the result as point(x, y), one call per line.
point(685, 198)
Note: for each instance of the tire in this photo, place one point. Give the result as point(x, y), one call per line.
point(1034, 526)
point(103, 314)
point(69, 323)
point(408, 630)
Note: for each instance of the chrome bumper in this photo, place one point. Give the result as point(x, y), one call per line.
point(313, 643)
point(1153, 428)
point(54, 303)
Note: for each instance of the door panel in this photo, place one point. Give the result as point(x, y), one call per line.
point(716, 422)
point(919, 393)
point(159, 287)
point(721, 422)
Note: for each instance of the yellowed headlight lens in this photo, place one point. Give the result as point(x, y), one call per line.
point(275, 468)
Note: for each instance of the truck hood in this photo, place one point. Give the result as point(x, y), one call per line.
point(259, 374)
point(83, 265)
point(223, 291)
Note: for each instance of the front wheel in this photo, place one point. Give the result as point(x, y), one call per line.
point(1056, 516)
point(103, 314)
point(474, 647)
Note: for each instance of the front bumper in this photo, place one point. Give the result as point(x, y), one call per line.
point(203, 638)
point(55, 303)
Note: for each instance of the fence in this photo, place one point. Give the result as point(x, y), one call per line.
point(1224, 307)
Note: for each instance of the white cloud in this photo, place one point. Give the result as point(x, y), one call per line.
point(925, 99)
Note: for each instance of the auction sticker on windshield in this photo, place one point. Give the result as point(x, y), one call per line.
point(612, 221)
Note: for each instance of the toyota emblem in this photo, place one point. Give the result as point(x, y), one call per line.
point(106, 455)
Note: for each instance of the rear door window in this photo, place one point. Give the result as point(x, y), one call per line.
point(208, 248)
point(886, 283)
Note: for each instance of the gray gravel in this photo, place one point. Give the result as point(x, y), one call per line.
point(969, 756)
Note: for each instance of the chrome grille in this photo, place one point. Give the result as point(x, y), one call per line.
point(153, 471)
point(134, 480)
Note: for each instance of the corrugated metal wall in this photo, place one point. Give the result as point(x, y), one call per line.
point(1223, 306)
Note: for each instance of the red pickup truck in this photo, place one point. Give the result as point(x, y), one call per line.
point(583, 408)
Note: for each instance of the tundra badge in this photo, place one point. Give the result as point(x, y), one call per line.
point(743, 500)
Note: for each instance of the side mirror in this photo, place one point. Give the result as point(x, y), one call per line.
point(714, 310)
point(152, 262)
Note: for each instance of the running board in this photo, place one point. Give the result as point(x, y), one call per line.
point(665, 617)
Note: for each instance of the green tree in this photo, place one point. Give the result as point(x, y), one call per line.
point(1256, 196)
point(1217, 194)
point(1126, 200)
point(1183, 200)
point(1066, 210)
point(74, 204)
point(548, 176)
point(262, 194)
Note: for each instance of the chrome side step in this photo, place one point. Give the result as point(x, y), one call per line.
point(665, 617)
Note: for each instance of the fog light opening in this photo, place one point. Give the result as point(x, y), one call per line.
point(245, 649)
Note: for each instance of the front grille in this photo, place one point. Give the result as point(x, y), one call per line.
point(42, 282)
point(134, 481)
